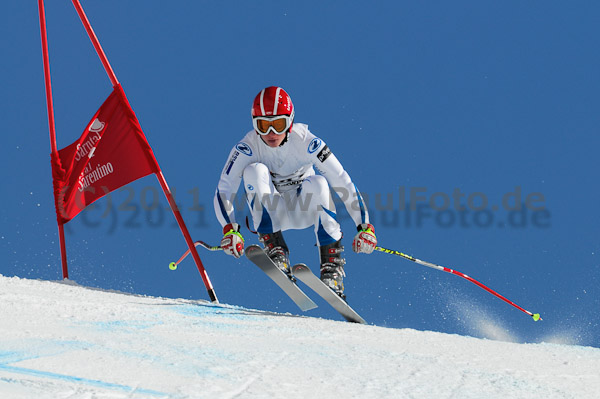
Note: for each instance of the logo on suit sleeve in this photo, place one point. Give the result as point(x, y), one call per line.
point(324, 154)
point(231, 161)
point(244, 148)
point(314, 145)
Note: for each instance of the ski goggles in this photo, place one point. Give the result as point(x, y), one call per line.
point(279, 124)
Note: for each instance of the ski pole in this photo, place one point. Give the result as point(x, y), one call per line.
point(173, 265)
point(535, 316)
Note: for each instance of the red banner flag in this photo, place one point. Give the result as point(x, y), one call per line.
point(111, 152)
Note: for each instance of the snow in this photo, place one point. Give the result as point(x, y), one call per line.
point(61, 340)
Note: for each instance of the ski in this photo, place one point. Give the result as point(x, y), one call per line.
point(257, 256)
point(304, 274)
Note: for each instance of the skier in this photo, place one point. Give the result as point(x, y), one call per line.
point(277, 161)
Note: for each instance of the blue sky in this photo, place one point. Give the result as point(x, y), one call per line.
point(483, 99)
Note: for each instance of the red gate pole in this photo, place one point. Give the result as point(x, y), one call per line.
point(50, 106)
point(188, 239)
point(159, 175)
point(96, 43)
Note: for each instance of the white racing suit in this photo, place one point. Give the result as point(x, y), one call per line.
point(282, 189)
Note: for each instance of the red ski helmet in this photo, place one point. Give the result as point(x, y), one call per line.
point(273, 101)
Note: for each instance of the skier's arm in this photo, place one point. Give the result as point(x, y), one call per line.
point(224, 199)
point(330, 167)
point(229, 183)
point(365, 240)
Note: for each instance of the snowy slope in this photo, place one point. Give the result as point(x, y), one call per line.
point(61, 340)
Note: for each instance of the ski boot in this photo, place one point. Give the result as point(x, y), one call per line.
point(332, 267)
point(278, 251)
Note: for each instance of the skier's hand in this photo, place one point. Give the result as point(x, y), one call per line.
point(232, 241)
point(365, 240)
